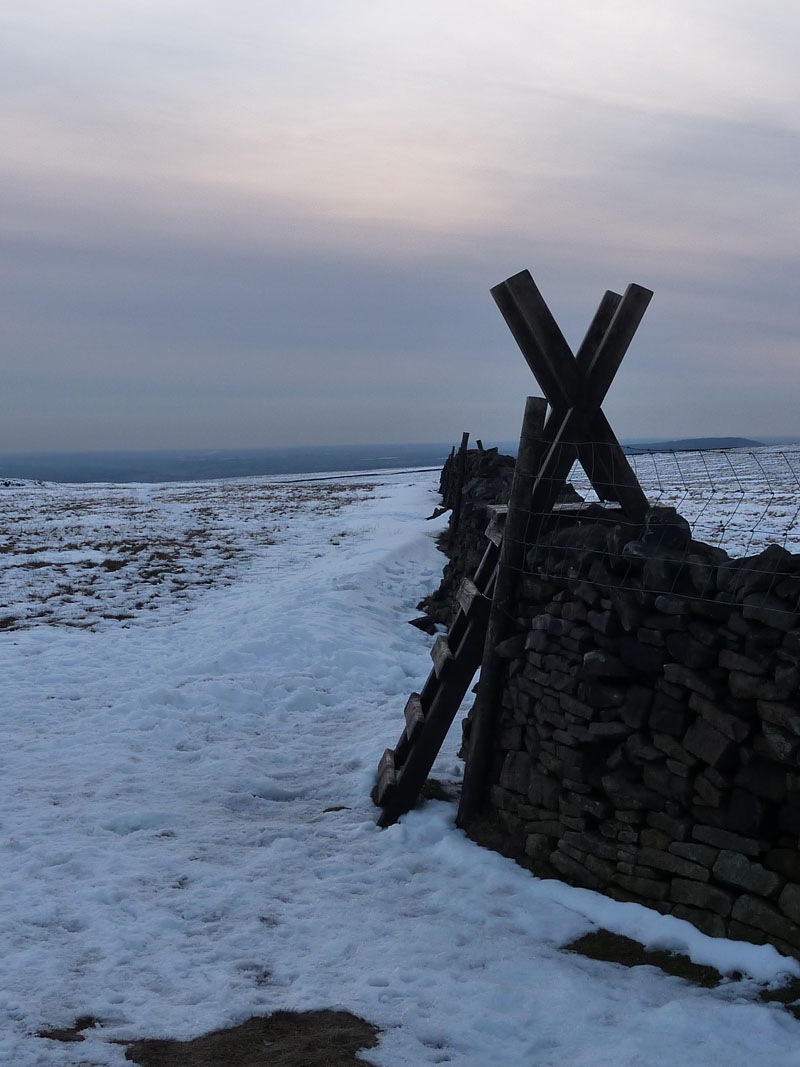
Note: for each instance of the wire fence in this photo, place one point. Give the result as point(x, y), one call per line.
point(736, 499)
point(713, 514)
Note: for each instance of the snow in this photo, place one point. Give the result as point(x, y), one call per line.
point(186, 838)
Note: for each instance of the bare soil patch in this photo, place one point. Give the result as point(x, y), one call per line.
point(615, 948)
point(788, 995)
point(285, 1039)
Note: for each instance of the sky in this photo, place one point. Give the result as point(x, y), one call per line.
point(249, 224)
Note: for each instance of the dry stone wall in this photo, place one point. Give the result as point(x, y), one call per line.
point(647, 742)
point(487, 480)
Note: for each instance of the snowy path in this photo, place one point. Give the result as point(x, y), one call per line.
point(169, 866)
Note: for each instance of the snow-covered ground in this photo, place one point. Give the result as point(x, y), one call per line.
point(187, 744)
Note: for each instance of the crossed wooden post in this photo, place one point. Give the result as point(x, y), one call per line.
point(575, 387)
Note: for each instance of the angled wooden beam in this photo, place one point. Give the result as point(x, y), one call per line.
point(550, 359)
point(512, 552)
point(540, 340)
point(611, 468)
point(579, 383)
point(598, 373)
point(597, 329)
point(597, 462)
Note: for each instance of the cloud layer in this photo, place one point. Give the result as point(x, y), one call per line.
point(257, 224)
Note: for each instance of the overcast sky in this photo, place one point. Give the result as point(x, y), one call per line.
point(256, 223)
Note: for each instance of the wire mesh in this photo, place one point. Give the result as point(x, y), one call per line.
point(712, 515)
point(736, 499)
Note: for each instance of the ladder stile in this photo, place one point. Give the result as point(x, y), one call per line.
point(573, 427)
point(429, 714)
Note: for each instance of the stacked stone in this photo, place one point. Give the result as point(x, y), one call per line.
point(487, 480)
point(648, 743)
point(487, 477)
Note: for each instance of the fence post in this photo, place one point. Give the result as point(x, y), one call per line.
point(461, 466)
point(512, 556)
point(446, 478)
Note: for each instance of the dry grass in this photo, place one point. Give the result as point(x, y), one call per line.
point(285, 1039)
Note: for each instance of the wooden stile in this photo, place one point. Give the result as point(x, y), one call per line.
point(429, 714)
point(575, 428)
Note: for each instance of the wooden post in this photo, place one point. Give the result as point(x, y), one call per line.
point(512, 555)
point(461, 465)
point(446, 479)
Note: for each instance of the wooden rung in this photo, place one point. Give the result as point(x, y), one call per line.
point(387, 777)
point(494, 532)
point(415, 718)
point(467, 592)
point(441, 654)
point(486, 568)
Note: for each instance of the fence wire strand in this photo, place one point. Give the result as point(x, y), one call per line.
point(737, 502)
point(740, 500)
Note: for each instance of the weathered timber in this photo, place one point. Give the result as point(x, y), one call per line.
point(497, 522)
point(459, 484)
point(467, 595)
point(441, 655)
point(387, 777)
point(457, 657)
point(512, 552)
point(576, 386)
point(415, 717)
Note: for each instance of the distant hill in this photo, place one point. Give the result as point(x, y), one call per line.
point(692, 444)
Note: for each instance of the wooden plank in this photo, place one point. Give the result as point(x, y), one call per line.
point(570, 435)
point(438, 720)
point(461, 466)
point(387, 778)
point(594, 461)
point(597, 330)
point(555, 458)
point(583, 380)
point(467, 592)
point(494, 532)
point(486, 568)
point(415, 718)
point(540, 340)
point(386, 764)
point(497, 522)
point(441, 655)
point(447, 477)
point(598, 373)
point(616, 468)
point(511, 556)
point(470, 599)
